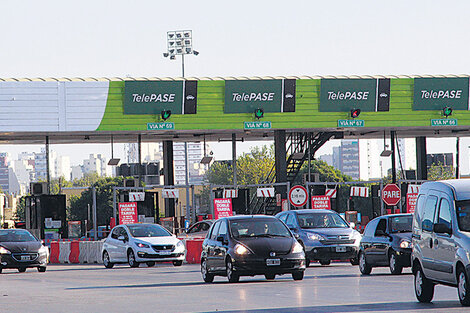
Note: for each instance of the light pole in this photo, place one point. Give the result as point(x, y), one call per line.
point(179, 42)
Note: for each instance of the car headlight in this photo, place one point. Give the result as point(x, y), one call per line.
point(405, 244)
point(314, 236)
point(179, 247)
point(4, 251)
point(240, 249)
point(43, 250)
point(142, 245)
point(297, 248)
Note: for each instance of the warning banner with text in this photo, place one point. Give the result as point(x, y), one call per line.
point(222, 208)
point(321, 202)
point(411, 202)
point(128, 213)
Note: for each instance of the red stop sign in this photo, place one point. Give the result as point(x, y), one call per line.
point(391, 194)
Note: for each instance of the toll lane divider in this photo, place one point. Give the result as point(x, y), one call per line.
point(76, 252)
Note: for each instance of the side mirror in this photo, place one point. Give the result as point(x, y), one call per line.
point(222, 239)
point(441, 228)
point(122, 238)
point(352, 225)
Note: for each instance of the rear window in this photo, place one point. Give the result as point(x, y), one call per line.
point(463, 215)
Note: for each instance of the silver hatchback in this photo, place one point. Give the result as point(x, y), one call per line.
point(441, 239)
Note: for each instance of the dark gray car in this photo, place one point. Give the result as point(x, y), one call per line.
point(324, 234)
point(441, 239)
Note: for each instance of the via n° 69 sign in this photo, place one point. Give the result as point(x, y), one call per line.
point(391, 194)
point(298, 196)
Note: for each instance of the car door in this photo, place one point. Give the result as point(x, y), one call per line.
point(111, 244)
point(121, 246)
point(368, 239)
point(444, 245)
point(426, 242)
point(211, 243)
point(381, 243)
point(220, 248)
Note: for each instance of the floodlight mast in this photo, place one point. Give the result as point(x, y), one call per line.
point(179, 43)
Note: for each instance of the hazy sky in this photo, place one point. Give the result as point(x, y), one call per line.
point(242, 38)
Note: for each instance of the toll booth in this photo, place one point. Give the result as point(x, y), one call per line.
point(46, 216)
point(147, 210)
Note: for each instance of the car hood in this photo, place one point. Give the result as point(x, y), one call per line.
point(402, 236)
point(167, 240)
point(331, 231)
point(28, 246)
point(263, 246)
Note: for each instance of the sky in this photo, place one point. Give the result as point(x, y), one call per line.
point(243, 38)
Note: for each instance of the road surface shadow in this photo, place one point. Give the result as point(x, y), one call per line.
point(369, 307)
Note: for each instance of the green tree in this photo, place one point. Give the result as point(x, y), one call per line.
point(20, 209)
point(104, 201)
point(254, 167)
point(326, 172)
point(440, 172)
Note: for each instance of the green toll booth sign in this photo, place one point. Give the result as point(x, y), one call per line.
point(444, 122)
point(160, 126)
point(350, 123)
point(257, 125)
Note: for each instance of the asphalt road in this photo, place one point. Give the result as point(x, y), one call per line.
point(164, 288)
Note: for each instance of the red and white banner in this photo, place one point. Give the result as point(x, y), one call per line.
point(265, 192)
point(321, 202)
point(413, 189)
point(128, 213)
point(359, 192)
point(170, 193)
point(411, 202)
point(136, 196)
point(230, 193)
point(330, 193)
point(222, 208)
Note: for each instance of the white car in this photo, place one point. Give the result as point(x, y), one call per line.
point(142, 243)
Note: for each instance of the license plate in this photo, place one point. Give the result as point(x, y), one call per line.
point(340, 249)
point(273, 262)
point(25, 258)
point(164, 252)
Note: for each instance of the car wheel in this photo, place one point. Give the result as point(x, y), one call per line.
point(463, 287)
point(178, 263)
point(150, 263)
point(354, 261)
point(231, 275)
point(22, 269)
point(206, 276)
point(363, 266)
point(41, 269)
point(270, 276)
point(424, 288)
point(131, 259)
point(298, 275)
point(395, 267)
point(106, 262)
point(325, 262)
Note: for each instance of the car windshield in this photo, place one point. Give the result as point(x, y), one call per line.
point(320, 220)
point(148, 231)
point(256, 227)
point(20, 235)
point(400, 224)
point(463, 215)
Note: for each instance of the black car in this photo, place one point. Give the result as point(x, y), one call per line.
point(20, 249)
point(251, 245)
point(386, 242)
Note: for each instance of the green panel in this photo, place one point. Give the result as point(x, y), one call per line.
point(437, 93)
point(153, 97)
point(244, 96)
point(343, 95)
point(210, 111)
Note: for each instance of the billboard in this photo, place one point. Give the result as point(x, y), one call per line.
point(222, 208)
point(128, 213)
point(437, 93)
point(271, 95)
point(344, 95)
point(153, 97)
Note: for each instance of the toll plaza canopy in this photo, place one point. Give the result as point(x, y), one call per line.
point(91, 110)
